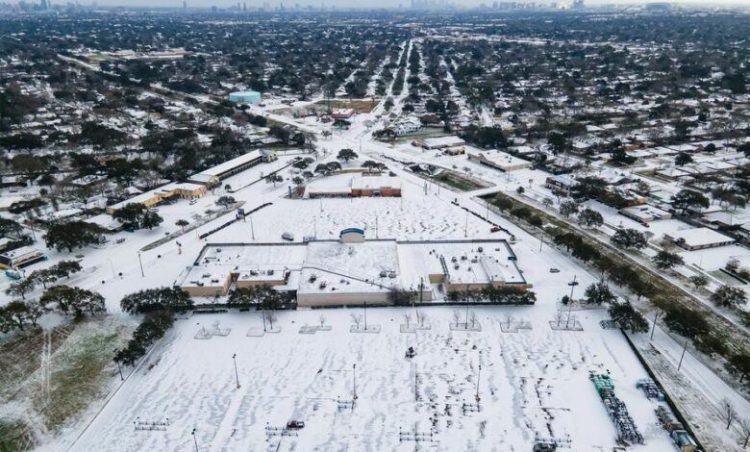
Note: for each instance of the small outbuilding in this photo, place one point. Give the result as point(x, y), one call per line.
point(245, 97)
point(352, 235)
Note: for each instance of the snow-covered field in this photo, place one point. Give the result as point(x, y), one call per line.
point(533, 384)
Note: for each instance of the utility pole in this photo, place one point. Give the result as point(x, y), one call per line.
point(354, 381)
point(195, 441)
point(236, 374)
point(140, 262)
point(252, 227)
point(683, 355)
point(466, 325)
point(466, 224)
point(479, 373)
point(365, 316)
point(653, 325)
point(572, 285)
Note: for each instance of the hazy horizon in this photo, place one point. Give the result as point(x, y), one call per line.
point(252, 4)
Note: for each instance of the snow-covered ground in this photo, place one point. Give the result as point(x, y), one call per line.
point(532, 385)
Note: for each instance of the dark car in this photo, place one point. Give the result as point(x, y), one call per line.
point(295, 425)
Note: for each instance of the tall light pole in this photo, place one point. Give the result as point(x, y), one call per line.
point(679, 365)
point(572, 285)
point(140, 263)
point(195, 441)
point(236, 374)
point(466, 224)
point(653, 325)
point(354, 381)
point(252, 228)
point(479, 373)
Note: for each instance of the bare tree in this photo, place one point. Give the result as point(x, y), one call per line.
point(473, 319)
point(456, 317)
point(727, 412)
point(508, 321)
point(559, 316)
point(270, 316)
point(357, 319)
point(407, 319)
point(322, 320)
point(745, 429)
point(421, 317)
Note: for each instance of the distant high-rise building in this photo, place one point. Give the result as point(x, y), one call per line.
point(577, 4)
point(43, 4)
point(184, 4)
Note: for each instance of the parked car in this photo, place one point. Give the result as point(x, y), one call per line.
point(495, 229)
point(554, 270)
point(288, 236)
point(295, 425)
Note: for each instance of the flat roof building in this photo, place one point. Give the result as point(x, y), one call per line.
point(216, 174)
point(442, 142)
point(499, 160)
point(345, 185)
point(21, 257)
point(645, 213)
point(699, 239)
point(184, 190)
point(350, 272)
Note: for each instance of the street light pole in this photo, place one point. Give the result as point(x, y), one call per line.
point(252, 228)
point(140, 263)
point(354, 380)
point(236, 374)
point(683, 355)
point(479, 373)
point(195, 441)
point(572, 285)
point(653, 325)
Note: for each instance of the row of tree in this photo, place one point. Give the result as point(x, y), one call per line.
point(495, 295)
point(159, 306)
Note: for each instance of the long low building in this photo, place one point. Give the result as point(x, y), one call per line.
point(198, 184)
point(214, 175)
point(499, 160)
point(182, 190)
point(21, 257)
point(699, 239)
point(350, 272)
point(345, 185)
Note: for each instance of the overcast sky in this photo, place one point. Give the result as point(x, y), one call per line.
point(368, 3)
